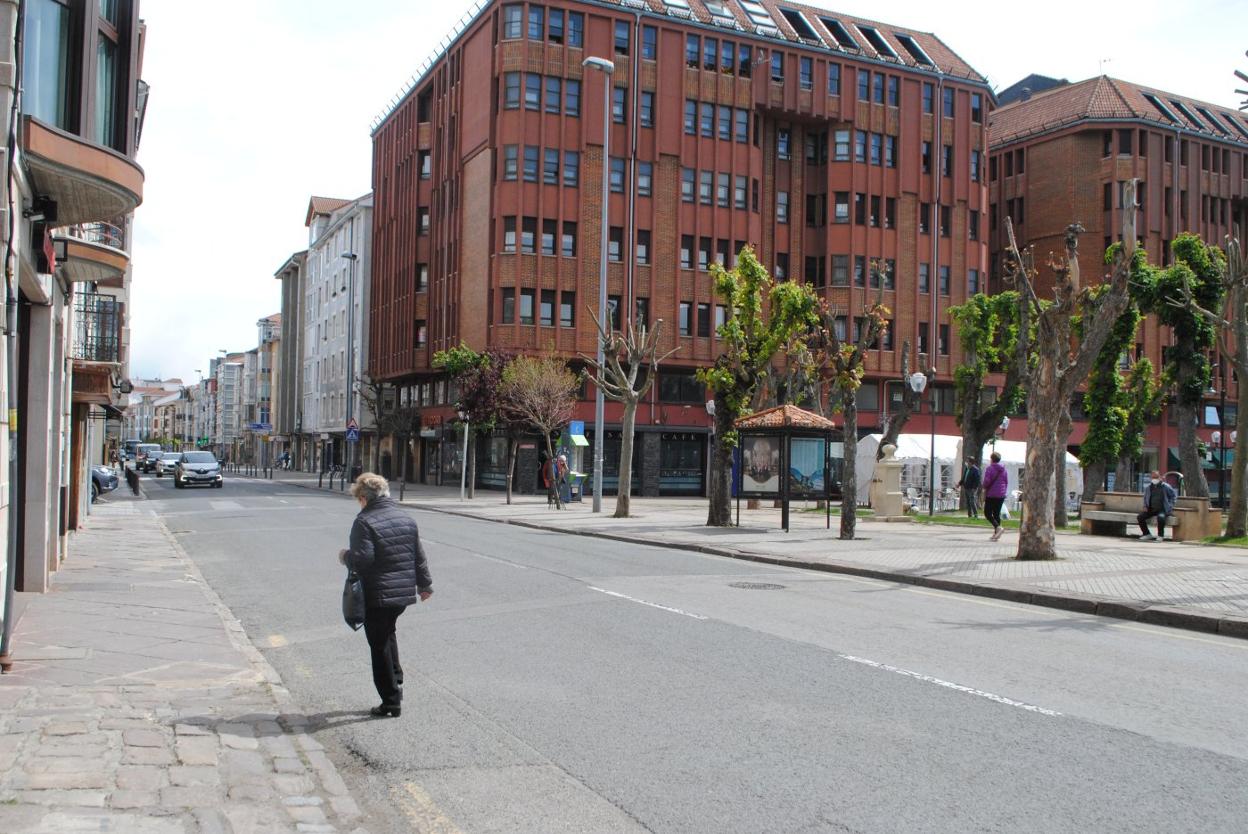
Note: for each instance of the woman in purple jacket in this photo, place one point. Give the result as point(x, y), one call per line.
point(996, 482)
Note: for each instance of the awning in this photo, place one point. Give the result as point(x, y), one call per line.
point(1173, 462)
point(578, 440)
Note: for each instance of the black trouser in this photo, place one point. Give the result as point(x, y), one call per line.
point(992, 510)
point(1143, 518)
point(387, 673)
point(972, 506)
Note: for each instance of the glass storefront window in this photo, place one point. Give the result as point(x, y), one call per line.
point(45, 64)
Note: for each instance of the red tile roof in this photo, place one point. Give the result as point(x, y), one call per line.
point(784, 416)
point(1107, 99)
point(323, 205)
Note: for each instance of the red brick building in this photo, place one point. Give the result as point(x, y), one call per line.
point(1062, 155)
point(825, 141)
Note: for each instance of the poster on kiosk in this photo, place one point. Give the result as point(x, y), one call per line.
point(572, 445)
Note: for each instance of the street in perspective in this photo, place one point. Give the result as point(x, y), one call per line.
point(595, 416)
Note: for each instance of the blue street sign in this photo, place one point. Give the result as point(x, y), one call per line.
point(353, 434)
point(576, 427)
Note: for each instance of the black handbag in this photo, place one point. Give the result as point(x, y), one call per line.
point(353, 601)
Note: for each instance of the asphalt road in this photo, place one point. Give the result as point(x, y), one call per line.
point(566, 684)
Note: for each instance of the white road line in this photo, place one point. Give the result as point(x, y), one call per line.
point(644, 602)
point(1000, 699)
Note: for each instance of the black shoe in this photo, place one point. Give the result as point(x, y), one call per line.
point(385, 710)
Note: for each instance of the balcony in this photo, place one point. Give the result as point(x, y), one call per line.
point(88, 182)
point(95, 252)
point(97, 346)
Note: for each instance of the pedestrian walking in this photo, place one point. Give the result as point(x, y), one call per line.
point(971, 479)
point(386, 553)
point(996, 482)
point(1159, 498)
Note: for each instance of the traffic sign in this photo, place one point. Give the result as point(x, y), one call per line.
point(353, 431)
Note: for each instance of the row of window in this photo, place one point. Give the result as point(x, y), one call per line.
point(716, 188)
point(1128, 142)
point(875, 148)
point(555, 166)
point(555, 28)
point(541, 92)
point(552, 240)
point(716, 121)
point(726, 57)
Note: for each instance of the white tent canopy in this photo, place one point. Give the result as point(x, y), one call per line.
point(915, 450)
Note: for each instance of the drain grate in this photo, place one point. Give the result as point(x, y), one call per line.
point(756, 586)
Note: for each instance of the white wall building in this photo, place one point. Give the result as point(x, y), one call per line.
point(228, 374)
point(338, 269)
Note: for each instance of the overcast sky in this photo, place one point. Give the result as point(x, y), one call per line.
point(246, 121)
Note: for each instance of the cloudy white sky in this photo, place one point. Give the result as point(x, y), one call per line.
point(248, 120)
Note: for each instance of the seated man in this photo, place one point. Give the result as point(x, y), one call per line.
point(1159, 498)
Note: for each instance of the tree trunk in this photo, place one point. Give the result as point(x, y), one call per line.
point(1237, 509)
point(1123, 481)
point(1059, 469)
point(1194, 483)
point(511, 465)
point(472, 466)
point(849, 480)
point(624, 490)
point(1035, 532)
point(972, 447)
point(718, 488)
point(1094, 479)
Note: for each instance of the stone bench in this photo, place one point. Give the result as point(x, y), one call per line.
point(1110, 514)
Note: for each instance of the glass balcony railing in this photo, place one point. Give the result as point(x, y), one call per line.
point(105, 234)
point(97, 327)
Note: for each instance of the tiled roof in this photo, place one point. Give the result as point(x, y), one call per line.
point(1106, 99)
point(784, 416)
point(323, 205)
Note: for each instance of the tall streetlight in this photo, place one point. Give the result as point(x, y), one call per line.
point(918, 382)
point(351, 258)
point(607, 68)
point(466, 419)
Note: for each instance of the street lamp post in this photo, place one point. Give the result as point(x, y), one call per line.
point(918, 381)
point(351, 258)
point(463, 462)
point(607, 68)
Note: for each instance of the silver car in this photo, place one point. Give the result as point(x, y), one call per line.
point(197, 468)
point(166, 463)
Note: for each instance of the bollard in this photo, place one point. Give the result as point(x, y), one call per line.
point(320, 479)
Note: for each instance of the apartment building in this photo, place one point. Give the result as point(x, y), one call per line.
point(74, 103)
point(288, 364)
point(824, 140)
point(1064, 155)
point(227, 371)
point(337, 282)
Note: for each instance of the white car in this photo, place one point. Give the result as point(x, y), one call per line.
point(166, 462)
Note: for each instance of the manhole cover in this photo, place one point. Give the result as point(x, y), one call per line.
point(756, 586)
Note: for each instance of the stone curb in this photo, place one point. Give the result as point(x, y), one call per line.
point(1229, 625)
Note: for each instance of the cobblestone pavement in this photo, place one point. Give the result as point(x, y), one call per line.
point(137, 704)
point(1171, 579)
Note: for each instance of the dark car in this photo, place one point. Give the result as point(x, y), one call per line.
point(145, 457)
point(103, 479)
point(197, 468)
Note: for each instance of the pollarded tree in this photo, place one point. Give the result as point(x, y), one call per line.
point(988, 326)
point(631, 363)
point(540, 391)
point(1061, 363)
point(1197, 273)
point(761, 317)
point(841, 365)
point(1105, 406)
point(1232, 325)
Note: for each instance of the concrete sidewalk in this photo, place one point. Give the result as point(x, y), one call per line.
point(137, 704)
point(1183, 585)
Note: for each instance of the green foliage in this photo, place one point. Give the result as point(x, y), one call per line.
point(1142, 398)
point(751, 339)
point(459, 360)
point(988, 326)
point(1105, 402)
point(1197, 268)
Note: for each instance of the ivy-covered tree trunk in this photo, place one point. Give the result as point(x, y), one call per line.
point(1194, 482)
point(1237, 509)
point(849, 478)
point(623, 492)
point(719, 478)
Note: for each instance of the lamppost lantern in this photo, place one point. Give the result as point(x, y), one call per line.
point(1005, 424)
point(918, 382)
point(1234, 434)
point(1216, 437)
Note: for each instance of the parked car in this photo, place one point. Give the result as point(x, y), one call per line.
point(145, 456)
point(103, 479)
point(166, 463)
point(197, 468)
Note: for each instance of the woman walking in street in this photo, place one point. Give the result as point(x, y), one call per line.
point(386, 554)
point(996, 482)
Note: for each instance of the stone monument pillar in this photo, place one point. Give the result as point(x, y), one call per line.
point(886, 498)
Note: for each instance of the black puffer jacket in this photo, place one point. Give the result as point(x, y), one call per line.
point(386, 553)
